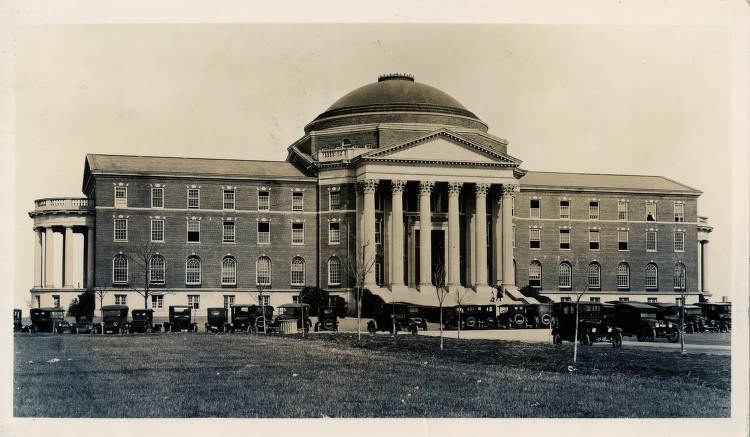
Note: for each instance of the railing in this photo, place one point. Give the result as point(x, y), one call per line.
point(63, 203)
point(340, 153)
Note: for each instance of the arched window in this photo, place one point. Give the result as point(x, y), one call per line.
point(595, 276)
point(228, 271)
point(120, 269)
point(623, 276)
point(679, 276)
point(535, 274)
point(263, 271)
point(156, 269)
point(334, 271)
point(193, 271)
point(564, 274)
point(298, 271)
point(652, 276)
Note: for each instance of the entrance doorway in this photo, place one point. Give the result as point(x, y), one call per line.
point(438, 251)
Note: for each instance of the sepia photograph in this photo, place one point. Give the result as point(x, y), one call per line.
point(256, 219)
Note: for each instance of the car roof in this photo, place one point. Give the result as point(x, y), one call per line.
point(293, 305)
point(144, 310)
point(114, 307)
point(180, 306)
point(215, 308)
point(50, 309)
point(639, 305)
point(664, 304)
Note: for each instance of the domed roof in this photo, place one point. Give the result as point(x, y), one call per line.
point(396, 93)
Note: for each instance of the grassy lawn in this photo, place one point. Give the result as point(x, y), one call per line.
point(205, 375)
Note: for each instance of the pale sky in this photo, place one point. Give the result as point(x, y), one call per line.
point(606, 99)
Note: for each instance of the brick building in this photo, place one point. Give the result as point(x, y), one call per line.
point(384, 165)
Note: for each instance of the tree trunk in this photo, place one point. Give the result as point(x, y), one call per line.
point(359, 314)
point(682, 326)
point(441, 325)
point(458, 334)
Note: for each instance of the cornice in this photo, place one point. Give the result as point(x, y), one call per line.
point(611, 190)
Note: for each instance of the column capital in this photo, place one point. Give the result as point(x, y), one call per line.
point(481, 188)
point(425, 187)
point(368, 185)
point(454, 188)
point(397, 185)
point(509, 189)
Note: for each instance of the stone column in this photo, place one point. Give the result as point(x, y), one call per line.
point(368, 240)
point(704, 267)
point(425, 235)
point(68, 258)
point(454, 238)
point(397, 223)
point(49, 258)
point(509, 280)
point(38, 257)
point(497, 238)
point(480, 190)
point(90, 257)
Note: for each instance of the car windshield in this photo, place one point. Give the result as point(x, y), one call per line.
point(140, 314)
point(181, 311)
point(289, 311)
point(241, 310)
point(111, 313)
point(646, 314)
point(413, 310)
point(693, 311)
point(327, 311)
point(215, 313)
point(589, 310)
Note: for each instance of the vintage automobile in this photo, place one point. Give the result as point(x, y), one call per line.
point(327, 319)
point(511, 316)
point(114, 319)
point(47, 320)
point(293, 311)
point(592, 325)
point(468, 315)
point(17, 323)
point(641, 320)
point(143, 321)
point(406, 316)
point(249, 317)
point(718, 315)
point(539, 315)
point(216, 319)
point(84, 324)
point(694, 320)
point(180, 319)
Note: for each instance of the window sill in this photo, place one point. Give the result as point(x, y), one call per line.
point(333, 244)
point(119, 241)
point(228, 242)
point(298, 244)
point(564, 248)
point(193, 242)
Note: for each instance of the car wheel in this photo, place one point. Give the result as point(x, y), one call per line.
point(371, 327)
point(413, 329)
point(640, 336)
point(617, 339)
point(471, 322)
point(556, 338)
point(673, 336)
point(328, 324)
point(650, 335)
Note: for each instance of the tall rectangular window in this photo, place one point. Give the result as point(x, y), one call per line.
point(228, 301)
point(594, 239)
point(157, 302)
point(228, 232)
point(194, 231)
point(535, 236)
point(264, 300)
point(679, 212)
point(378, 232)
point(121, 299)
point(622, 210)
point(651, 241)
point(514, 236)
point(564, 238)
point(334, 234)
point(565, 209)
point(228, 199)
point(651, 211)
point(264, 200)
point(56, 300)
point(264, 233)
point(193, 198)
point(565, 299)
point(298, 201)
point(622, 240)
point(298, 233)
point(157, 197)
point(534, 208)
point(651, 299)
point(624, 299)
point(194, 301)
point(595, 299)
point(594, 210)
point(121, 229)
point(679, 241)
point(157, 230)
point(334, 200)
point(121, 197)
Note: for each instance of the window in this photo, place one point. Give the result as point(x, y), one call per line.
point(652, 277)
point(379, 272)
point(622, 210)
point(295, 299)
point(228, 271)
point(228, 301)
point(334, 200)
point(264, 201)
point(534, 209)
point(193, 271)
point(535, 274)
point(565, 209)
point(228, 232)
point(157, 302)
point(193, 231)
point(157, 230)
point(513, 206)
point(334, 271)
point(264, 233)
point(594, 239)
point(594, 275)
point(121, 197)
point(194, 301)
point(535, 238)
point(228, 199)
point(651, 299)
point(651, 211)
point(564, 273)
point(595, 299)
point(514, 236)
point(651, 241)
point(679, 277)
point(56, 300)
point(622, 240)
point(624, 299)
point(378, 232)
point(264, 300)
point(156, 269)
point(679, 241)
point(121, 229)
point(263, 271)
point(157, 197)
point(38, 300)
point(623, 276)
point(120, 269)
point(564, 238)
point(679, 212)
point(334, 234)
point(298, 271)
point(564, 299)
point(594, 210)
point(298, 201)
point(121, 299)
point(298, 233)
point(193, 198)
point(678, 301)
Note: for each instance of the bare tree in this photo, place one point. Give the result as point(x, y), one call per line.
point(441, 290)
point(357, 268)
point(262, 303)
point(142, 251)
point(575, 338)
point(100, 292)
point(461, 298)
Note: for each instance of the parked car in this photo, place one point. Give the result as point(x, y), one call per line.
point(592, 325)
point(46, 319)
point(641, 320)
point(17, 323)
point(511, 316)
point(539, 315)
point(84, 324)
point(180, 319)
point(487, 316)
point(292, 311)
point(407, 317)
point(469, 316)
point(327, 319)
point(694, 320)
point(216, 320)
point(143, 321)
point(114, 319)
point(718, 315)
point(249, 317)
